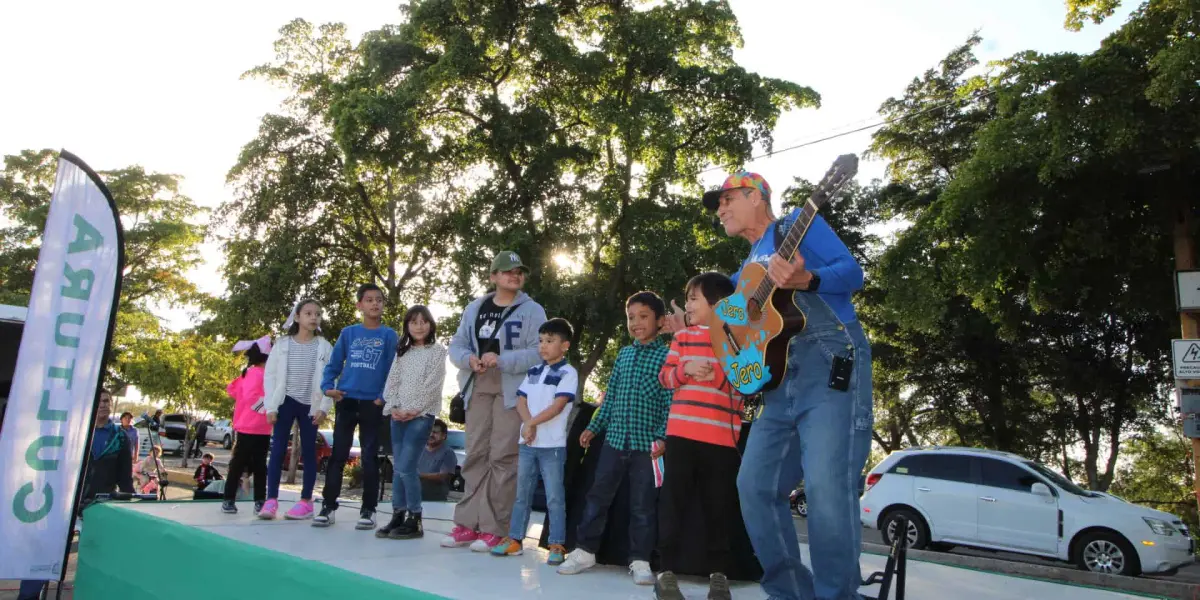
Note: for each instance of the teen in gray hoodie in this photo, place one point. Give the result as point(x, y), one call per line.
point(497, 341)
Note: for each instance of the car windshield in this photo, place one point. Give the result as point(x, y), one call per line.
point(1058, 480)
point(456, 439)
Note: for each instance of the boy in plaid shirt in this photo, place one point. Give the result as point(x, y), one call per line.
point(633, 418)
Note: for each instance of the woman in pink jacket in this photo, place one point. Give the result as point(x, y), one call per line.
point(250, 423)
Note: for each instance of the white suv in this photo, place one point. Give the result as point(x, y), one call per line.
point(1001, 501)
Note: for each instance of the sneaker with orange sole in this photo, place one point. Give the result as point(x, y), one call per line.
point(507, 547)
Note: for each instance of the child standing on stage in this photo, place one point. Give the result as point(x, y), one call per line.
point(293, 395)
point(412, 399)
point(253, 431)
point(633, 418)
point(354, 378)
point(542, 401)
point(701, 461)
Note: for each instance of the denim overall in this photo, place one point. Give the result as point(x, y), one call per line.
point(809, 431)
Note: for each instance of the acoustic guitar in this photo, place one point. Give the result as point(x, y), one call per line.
point(751, 329)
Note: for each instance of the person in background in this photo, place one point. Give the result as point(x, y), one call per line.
point(436, 465)
point(130, 432)
point(149, 469)
point(250, 423)
point(206, 473)
point(108, 467)
point(200, 438)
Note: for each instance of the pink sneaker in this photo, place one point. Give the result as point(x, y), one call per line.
point(268, 510)
point(300, 511)
point(486, 542)
point(459, 536)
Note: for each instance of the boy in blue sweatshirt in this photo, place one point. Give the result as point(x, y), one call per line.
point(354, 378)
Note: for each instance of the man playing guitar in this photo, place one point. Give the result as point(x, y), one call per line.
point(815, 425)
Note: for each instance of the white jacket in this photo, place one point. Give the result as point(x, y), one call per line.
point(275, 378)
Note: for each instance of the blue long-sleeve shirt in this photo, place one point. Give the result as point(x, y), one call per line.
point(360, 362)
point(826, 256)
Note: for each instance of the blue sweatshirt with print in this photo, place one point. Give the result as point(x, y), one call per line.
point(825, 255)
point(360, 362)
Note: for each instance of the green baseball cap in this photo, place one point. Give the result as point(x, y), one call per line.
point(507, 260)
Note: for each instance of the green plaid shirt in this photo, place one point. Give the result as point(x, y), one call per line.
point(636, 405)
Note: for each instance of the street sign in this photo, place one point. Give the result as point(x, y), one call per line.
point(1185, 355)
point(1187, 290)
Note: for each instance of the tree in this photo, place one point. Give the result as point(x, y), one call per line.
point(307, 220)
point(162, 237)
point(189, 371)
point(576, 132)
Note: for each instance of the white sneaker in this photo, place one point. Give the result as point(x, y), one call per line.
point(578, 561)
point(642, 575)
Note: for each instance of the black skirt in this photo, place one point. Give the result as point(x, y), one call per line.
point(614, 546)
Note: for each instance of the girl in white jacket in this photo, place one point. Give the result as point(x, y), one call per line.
point(412, 399)
point(292, 385)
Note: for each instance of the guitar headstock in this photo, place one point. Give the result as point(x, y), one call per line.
point(844, 168)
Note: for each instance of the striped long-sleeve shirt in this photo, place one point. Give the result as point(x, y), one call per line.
point(635, 408)
point(704, 411)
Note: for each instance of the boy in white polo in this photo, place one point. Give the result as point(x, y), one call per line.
point(542, 401)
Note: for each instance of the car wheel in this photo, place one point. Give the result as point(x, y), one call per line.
point(918, 531)
point(1106, 552)
point(227, 442)
point(800, 507)
point(322, 465)
point(458, 484)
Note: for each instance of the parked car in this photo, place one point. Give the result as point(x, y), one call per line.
point(174, 427)
point(169, 446)
point(457, 439)
point(220, 431)
point(1001, 501)
point(324, 451)
point(355, 448)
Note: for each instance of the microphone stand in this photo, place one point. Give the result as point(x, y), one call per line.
point(152, 433)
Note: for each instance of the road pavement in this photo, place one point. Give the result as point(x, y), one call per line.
point(1187, 574)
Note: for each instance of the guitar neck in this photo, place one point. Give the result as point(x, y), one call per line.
point(788, 248)
point(795, 235)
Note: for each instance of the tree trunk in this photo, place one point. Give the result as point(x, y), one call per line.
point(294, 462)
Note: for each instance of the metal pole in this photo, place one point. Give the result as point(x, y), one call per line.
point(1185, 259)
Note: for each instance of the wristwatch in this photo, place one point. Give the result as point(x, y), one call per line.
point(814, 283)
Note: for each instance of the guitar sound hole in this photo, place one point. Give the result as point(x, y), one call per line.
point(754, 310)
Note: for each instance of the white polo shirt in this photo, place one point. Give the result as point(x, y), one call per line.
point(542, 384)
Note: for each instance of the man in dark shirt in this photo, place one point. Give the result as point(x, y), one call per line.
point(436, 465)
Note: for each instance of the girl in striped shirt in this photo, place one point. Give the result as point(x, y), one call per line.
point(292, 386)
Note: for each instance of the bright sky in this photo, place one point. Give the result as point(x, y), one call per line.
point(158, 83)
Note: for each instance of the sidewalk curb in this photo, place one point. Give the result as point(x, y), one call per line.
point(1066, 574)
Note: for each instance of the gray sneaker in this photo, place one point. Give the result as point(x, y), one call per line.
point(718, 587)
point(667, 587)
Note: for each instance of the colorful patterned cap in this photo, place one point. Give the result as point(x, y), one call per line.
point(738, 180)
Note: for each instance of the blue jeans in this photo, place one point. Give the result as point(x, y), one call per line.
point(549, 463)
point(610, 471)
point(408, 442)
point(292, 411)
point(811, 432)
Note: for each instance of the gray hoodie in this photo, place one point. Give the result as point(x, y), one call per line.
point(518, 344)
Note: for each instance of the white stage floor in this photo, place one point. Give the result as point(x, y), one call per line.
point(459, 573)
